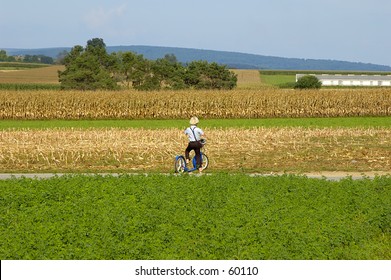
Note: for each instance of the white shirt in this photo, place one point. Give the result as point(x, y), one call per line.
point(197, 133)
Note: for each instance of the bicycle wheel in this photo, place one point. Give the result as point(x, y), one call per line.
point(205, 162)
point(180, 164)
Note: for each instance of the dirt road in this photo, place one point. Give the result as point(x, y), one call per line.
point(328, 175)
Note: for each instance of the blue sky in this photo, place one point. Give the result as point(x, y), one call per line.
point(356, 31)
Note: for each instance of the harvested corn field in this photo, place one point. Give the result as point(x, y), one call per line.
point(245, 103)
point(146, 150)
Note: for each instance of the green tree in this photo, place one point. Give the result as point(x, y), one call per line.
point(308, 82)
point(92, 68)
point(146, 81)
point(204, 75)
point(30, 59)
point(3, 55)
point(38, 59)
point(96, 43)
point(61, 56)
point(88, 68)
point(46, 59)
point(171, 58)
point(131, 70)
point(11, 58)
point(169, 72)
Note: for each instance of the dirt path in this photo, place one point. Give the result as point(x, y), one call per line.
point(328, 175)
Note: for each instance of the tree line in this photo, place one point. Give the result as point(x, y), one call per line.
point(92, 67)
point(25, 58)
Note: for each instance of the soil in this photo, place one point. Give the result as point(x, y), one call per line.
point(328, 175)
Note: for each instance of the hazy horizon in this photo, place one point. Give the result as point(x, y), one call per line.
point(318, 29)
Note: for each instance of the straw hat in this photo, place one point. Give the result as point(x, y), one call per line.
point(194, 121)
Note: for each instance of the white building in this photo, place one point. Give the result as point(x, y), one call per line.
point(351, 80)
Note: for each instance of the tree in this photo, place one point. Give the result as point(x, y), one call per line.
point(204, 75)
point(169, 72)
point(88, 68)
point(308, 82)
point(30, 58)
point(38, 59)
point(46, 59)
point(92, 68)
point(61, 56)
point(3, 55)
point(171, 58)
point(96, 43)
point(131, 70)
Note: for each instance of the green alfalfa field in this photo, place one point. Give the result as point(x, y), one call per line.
point(220, 216)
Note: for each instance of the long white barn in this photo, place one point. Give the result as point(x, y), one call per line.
point(351, 80)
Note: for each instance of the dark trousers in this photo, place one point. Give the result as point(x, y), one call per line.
point(196, 146)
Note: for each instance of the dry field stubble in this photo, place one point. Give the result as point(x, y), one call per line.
point(239, 103)
point(44, 75)
point(249, 79)
point(248, 150)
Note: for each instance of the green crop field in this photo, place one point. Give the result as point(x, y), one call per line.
point(221, 216)
point(287, 78)
point(278, 80)
point(20, 65)
point(358, 122)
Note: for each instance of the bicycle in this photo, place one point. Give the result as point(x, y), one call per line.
point(181, 165)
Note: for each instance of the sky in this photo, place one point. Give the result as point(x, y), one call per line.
point(350, 30)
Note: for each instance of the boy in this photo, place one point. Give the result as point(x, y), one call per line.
point(194, 135)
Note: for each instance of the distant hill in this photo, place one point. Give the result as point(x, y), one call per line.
point(231, 59)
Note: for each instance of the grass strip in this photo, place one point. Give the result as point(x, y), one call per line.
point(348, 122)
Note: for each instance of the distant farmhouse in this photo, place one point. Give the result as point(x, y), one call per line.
point(352, 80)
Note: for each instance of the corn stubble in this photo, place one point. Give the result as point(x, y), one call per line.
point(142, 150)
point(239, 103)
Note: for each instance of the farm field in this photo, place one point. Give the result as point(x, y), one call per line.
point(12, 66)
point(278, 80)
point(248, 79)
point(287, 79)
point(249, 130)
point(225, 214)
point(242, 104)
point(186, 217)
point(245, 150)
point(40, 75)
